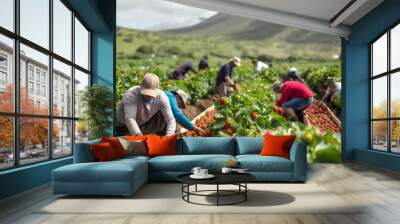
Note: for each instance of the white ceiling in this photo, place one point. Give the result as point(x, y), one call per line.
point(314, 15)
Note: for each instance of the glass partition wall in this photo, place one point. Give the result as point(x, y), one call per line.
point(44, 65)
point(385, 91)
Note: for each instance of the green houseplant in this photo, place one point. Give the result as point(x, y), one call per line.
point(96, 102)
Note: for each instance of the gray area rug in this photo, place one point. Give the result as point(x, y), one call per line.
point(166, 198)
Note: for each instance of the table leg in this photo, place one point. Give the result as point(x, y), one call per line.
point(245, 193)
point(196, 187)
point(188, 190)
point(182, 188)
point(217, 194)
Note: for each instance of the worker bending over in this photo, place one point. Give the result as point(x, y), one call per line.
point(295, 97)
point(145, 109)
point(178, 100)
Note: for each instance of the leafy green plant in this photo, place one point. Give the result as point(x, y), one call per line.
point(248, 113)
point(97, 104)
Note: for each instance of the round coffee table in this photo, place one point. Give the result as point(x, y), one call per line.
point(238, 179)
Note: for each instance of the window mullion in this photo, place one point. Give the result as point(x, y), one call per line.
point(50, 81)
point(389, 104)
point(73, 82)
point(371, 140)
point(16, 84)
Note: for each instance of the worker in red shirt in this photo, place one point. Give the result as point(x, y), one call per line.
point(295, 98)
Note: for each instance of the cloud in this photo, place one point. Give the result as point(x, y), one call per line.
point(157, 14)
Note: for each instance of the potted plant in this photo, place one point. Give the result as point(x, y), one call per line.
point(96, 102)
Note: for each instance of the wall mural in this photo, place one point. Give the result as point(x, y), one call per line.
point(240, 77)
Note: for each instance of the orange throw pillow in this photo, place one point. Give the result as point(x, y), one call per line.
point(161, 145)
point(116, 145)
point(277, 145)
point(103, 152)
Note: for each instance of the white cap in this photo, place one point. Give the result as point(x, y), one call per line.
point(236, 61)
point(293, 69)
point(185, 98)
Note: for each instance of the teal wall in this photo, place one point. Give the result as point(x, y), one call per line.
point(103, 51)
point(24, 178)
point(100, 17)
point(356, 101)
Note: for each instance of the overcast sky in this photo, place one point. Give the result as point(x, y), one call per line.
point(157, 14)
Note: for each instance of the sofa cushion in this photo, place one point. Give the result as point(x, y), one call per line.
point(116, 145)
point(249, 145)
point(185, 163)
point(112, 171)
point(133, 158)
point(206, 145)
point(161, 145)
point(83, 153)
point(103, 152)
point(277, 145)
point(133, 147)
point(257, 163)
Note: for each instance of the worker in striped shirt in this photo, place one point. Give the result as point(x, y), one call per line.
point(145, 109)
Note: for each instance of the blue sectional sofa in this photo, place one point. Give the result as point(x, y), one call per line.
point(125, 176)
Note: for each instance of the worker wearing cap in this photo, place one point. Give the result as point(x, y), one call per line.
point(224, 82)
point(293, 75)
point(145, 109)
point(178, 100)
point(259, 66)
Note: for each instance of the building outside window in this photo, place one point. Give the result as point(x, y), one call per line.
point(3, 61)
point(3, 72)
point(3, 78)
point(385, 95)
point(37, 75)
point(38, 89)
point(55, 97)
point(30, 73)
point(34, 74)
point(43, 78)
point(30, 87)
point(44, 91)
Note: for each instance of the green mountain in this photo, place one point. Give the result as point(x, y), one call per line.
point(239, 28)
point(223, 36)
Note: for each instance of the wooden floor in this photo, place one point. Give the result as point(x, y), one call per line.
point(377, 188)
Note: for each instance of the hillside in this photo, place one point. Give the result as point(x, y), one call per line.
point(223, 36)
point(232, 27)
point(239, 28)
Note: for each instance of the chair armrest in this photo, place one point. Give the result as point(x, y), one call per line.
point(298, 155)
point(83, 152)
